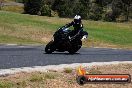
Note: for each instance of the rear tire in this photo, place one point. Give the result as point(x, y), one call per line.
point(49, 47)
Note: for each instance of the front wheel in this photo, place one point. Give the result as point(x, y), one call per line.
point(74, 47)
point(49, 47)
point(73, 50)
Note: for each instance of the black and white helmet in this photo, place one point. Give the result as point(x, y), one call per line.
point(77, 19)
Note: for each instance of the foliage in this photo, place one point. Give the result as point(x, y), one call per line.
point(32, 6)
point(96, 12)
point(45, 10)
point(108, 10)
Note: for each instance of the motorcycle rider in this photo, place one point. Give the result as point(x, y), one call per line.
point(77, 24)
point(66, 40)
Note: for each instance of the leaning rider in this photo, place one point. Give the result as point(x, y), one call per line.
point(77, 24)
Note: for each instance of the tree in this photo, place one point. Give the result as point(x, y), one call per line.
point(109, 10)
point(64, 7)
point(128, 4)
point(32, 6)
point(96, 10)
point(45, 10)
point(116, 11)
point(69, 8)
point(84, 8)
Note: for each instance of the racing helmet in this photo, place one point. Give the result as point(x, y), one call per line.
point(77, 19)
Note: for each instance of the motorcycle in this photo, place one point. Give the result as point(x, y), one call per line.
point(63, 41)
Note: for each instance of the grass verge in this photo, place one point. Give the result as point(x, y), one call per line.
point(17, 9)
point(38, 28)
point(63, 79)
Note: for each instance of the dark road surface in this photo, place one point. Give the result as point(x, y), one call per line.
point(28, 56)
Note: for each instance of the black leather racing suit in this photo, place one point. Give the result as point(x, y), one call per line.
point(77, 27)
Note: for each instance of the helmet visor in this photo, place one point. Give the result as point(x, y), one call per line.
point(77, 20)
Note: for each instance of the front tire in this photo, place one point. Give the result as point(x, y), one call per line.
point(49, 47)
point(74, 47)
point(73, 50)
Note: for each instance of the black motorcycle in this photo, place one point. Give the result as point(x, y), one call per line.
point(64, 41)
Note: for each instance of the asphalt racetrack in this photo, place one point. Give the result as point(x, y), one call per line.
point(28, 56)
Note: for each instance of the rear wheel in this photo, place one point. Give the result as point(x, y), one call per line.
point(50, 47)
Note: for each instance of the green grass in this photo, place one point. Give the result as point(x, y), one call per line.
point(13, 8)
point(34, 28)
point(36, 78)
point(26, 20)
point(42, 76)
point(18, 9)
point(6, 84)
point(115, 33)
point(68, 70)
point(25, 80)
point(12, 39)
